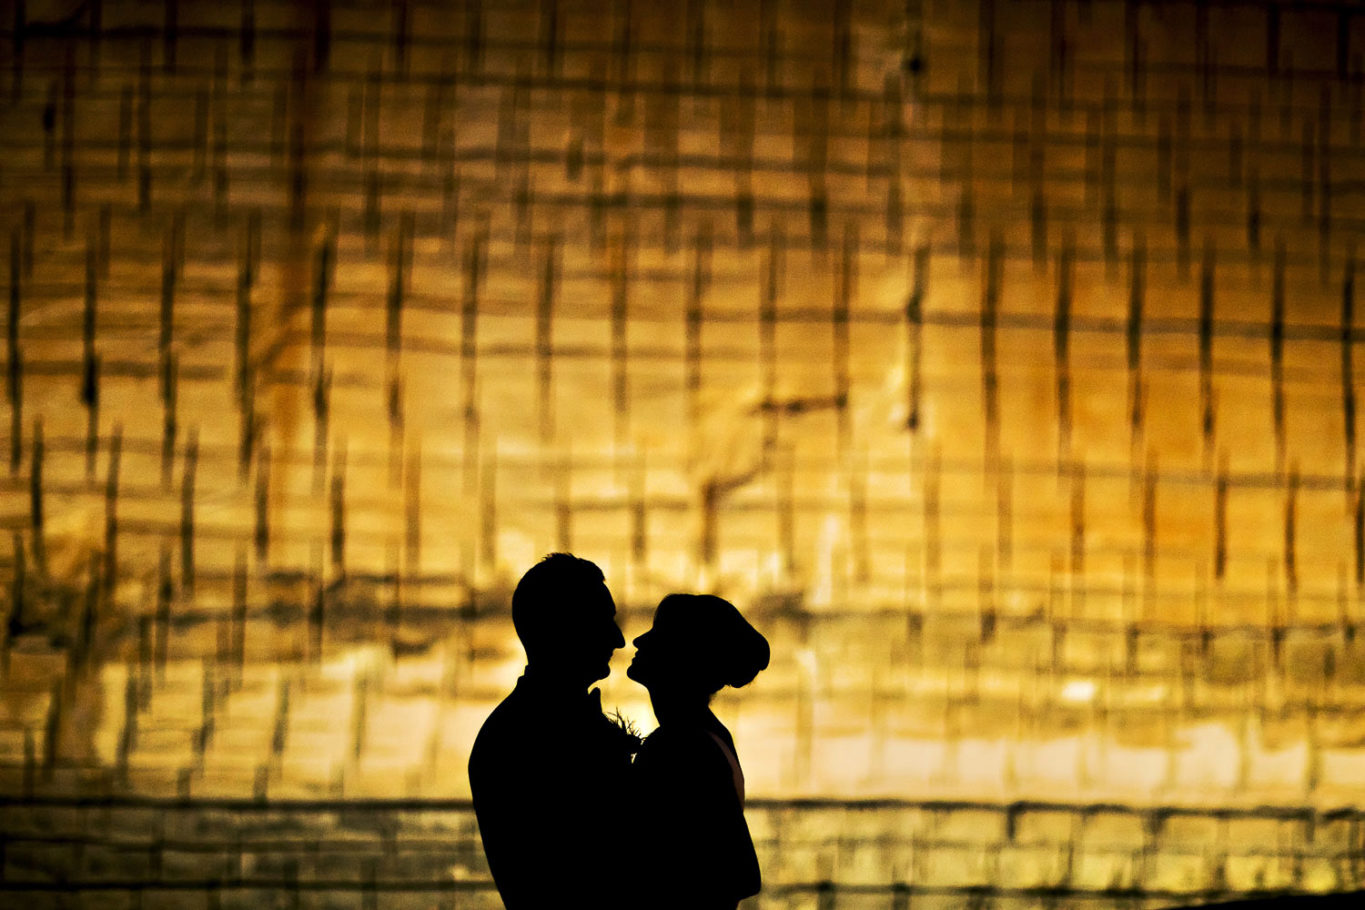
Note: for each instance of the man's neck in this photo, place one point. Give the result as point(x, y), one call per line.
point(545, 678)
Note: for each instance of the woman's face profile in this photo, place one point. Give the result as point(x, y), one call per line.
point(661, 657)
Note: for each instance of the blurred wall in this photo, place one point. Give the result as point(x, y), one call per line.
point(997, 358)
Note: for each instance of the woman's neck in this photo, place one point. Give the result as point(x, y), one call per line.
point(679, 707)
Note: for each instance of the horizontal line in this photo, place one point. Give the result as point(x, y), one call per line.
point(407, 804)
point(825, 887)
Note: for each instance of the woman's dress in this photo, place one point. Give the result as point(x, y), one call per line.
point(693, 848)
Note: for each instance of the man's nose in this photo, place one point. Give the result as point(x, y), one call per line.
point(620, 639)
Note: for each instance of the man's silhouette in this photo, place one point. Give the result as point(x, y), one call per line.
point(547, 769)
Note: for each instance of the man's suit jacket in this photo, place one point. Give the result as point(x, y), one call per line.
point(547, 772)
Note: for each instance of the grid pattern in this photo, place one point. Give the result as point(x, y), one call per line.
point(999, 358)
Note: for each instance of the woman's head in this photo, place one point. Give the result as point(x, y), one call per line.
point(699, 643)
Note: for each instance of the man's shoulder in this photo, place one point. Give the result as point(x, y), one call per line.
point(522, 724)
point(509, 717)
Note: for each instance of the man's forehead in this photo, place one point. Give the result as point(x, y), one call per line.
point(594, 598)
point(602, 598)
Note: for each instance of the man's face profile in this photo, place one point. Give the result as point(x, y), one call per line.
point(598, 635)
point(585, 635)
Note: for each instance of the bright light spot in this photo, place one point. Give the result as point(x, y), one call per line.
point(1079, 690)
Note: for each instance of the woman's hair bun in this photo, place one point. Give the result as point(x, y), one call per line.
point(748, 654)
point(728, 650)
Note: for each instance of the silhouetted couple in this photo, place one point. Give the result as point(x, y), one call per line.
point(567, 819)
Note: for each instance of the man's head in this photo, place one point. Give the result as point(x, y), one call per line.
point(566, 619)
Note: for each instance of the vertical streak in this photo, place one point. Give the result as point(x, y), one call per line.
point(545, 314)
point(20, 27)
point(322, 34)
point(262, 517)
point(1272, 40)
point(144, 132)
point(170, 32)
point(90, 365)
point(1277, 355)
point(172, 251)
point(1324, 180)
point(694, 318)
point(412, 509)
point(187, 512)
point(370, 153)
point(68, 143)
point(767, 332)
point(1220, 522)
point(1291, 508)
point(620, 313)
point(1061, 344)
point(990, 303)
point(323, 270)
point(219, 144)
point(201, 133)
point(111, 491)
point(400, 265)
point(1254, 210)
point(237, 626)
point(36, 512)
point(89, 620)
point(914, 327)
point(469, 322)
point(1206, 327)
point(989, 63)
point(473, 37)
point(1308, 169)
point(124, 131)
point(14, 357)
point(402, 36)
point(320, 372)
point(1004, 514)
point(488, 511)
point(1137, 292)
point(1077, 524)
point(857, 517)
point(1108, 172)
point(245, 372)
point(246, 39)
point(1150, 477)
point(786, 515)
point(161, 625)
point(322, 409)
point(1348, 387)
point(846, 291)
point(170, 383)
point(933, 550)
point(1358, 526)
point(639, 517)
point(563, 505)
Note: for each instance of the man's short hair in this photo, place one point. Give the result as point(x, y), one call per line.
point(538, 603)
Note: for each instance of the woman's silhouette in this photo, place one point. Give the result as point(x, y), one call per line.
point(692, 847)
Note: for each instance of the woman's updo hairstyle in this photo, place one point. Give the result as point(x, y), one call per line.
point(721, 644)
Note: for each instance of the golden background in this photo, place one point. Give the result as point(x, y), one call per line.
point(996, 358)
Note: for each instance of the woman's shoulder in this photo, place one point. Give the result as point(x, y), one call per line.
point(683, 746)
point(682, 737)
